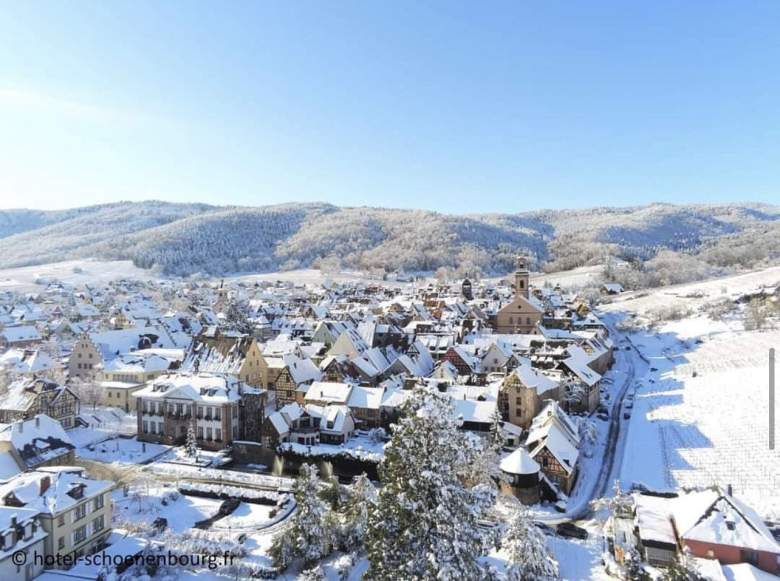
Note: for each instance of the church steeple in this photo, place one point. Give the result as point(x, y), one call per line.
point(522, 276)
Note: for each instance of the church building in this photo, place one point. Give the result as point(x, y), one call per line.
point(524, 312)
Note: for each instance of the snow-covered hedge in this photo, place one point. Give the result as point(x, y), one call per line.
point(250, 495)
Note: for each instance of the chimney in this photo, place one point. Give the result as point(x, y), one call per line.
point(45, 483)
point(37, 421)
point(729, 490)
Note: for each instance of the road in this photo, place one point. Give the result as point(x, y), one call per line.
point(613, 450)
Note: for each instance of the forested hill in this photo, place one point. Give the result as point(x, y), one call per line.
point(184, 239)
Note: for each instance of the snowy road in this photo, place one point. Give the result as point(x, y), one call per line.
point(615, 445)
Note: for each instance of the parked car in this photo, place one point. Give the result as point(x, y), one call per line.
point(626, 415)
point(571, 530)
point(546, 529)
point(602, 416)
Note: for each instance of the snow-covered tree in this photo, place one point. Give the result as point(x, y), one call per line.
point(306, 537)
point(353, 515)
point(683, 568)
point(756, 315)
point(88, 391)
point(526, 550)
point(425, 522)
point(496, 439)
point(588, 436)
point(635, 570)
point(237, 316)
point(313, 574)
point(191, 444)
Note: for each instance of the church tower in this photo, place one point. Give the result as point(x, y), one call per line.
point(522, 277)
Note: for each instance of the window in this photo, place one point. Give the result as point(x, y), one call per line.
point(61, 520)
point(146, 427)
point(80, 512)
point(99, 502)
point(200, 432)
point(218, 434)
point(208, 433)
point(80, 534)
point(749, 556)
point(98, 524)
point(217, 413)
point(61, 543)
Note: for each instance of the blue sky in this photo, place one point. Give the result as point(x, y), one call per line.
point(457, 107)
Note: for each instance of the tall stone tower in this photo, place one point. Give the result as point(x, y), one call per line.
point(522, 276)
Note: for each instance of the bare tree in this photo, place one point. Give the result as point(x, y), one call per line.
point(88, 391)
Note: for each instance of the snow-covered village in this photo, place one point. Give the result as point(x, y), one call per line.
point(321, 426)
point(389, 291)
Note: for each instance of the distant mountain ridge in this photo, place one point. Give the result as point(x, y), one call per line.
point(183, 239)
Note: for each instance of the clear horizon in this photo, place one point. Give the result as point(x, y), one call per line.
point(453, 108)
point(388, 207)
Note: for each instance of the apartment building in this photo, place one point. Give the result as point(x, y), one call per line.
point(73, 510)
point(220, 408)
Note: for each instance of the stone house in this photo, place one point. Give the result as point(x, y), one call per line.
point(219, 409)
point(523, 393)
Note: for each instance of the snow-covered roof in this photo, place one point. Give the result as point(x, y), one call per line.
point(469, 410)
point(119, 341)
point(366, 397)
point(37, 440)
point(31, 489)
point(329, 392)
point(707, 516)
point(20, 333)
point(519, 462)
point(207, 388)
point(26, 361)
point(302, 370)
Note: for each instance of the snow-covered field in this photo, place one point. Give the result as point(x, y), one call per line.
point(247, 516)
point(76, 272)
point(702, 416)
point(694, 295)
point(122, 451)
point(145, 504)
point(577, 277)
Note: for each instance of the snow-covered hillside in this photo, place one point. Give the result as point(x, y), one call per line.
point(190, 238)
point(699, 414)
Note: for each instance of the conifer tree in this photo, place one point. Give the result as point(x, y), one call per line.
point(191, 444)
point(307, 537)
point(354, 513)
point(425, 523)
point(527, 552)
point(496, 430)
